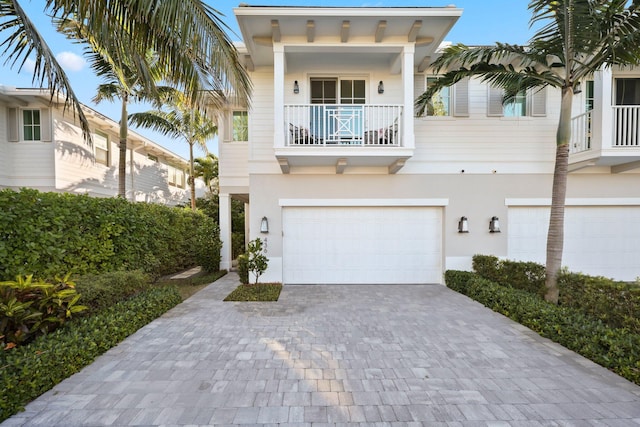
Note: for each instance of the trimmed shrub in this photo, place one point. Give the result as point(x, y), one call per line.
point(47, 233)
point(487, 266)
point(615, 303)
point(99, 291)
point(256, 292)
point(243, 268)
point(207, 245)
point(27, 372)
point(528, 276)
point(615, 349)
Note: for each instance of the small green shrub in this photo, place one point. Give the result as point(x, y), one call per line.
point(257, 261)
point(29, 308)
point(243, 268)
point(256, 292)
point(528, 276)
point(458, 280)
point(615, 349)
point(28, 371)
point(487, 266)
point(104, 290)
point(208, 245)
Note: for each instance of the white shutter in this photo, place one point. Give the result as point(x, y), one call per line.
point(13, 125)
point(45, 124)
point(228, 125)
point(461, 98)
point(539, 102)
point(494, 102)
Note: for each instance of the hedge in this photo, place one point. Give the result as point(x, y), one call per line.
point(48, 234)
point(615, 303)
point(27, 372)
point(614, 348)
point(99, 291)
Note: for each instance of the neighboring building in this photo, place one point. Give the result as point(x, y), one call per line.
point(355, 189)
point(42, 147)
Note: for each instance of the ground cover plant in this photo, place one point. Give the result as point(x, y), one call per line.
point(256, 292)
point(579, 327)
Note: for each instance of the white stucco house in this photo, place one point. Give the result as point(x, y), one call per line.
point(42, 147)
point(354, 189)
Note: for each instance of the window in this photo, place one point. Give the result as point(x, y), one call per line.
point(152, 158)
point(589, 95)
point(175, 176)
point(101, 148)
point(352, 92)
point(440, 103)
point(324, 90)
point(31, 125)
point(240, 126)
point(627, 91)
point(517, 107)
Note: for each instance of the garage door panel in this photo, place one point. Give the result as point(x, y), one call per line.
point(362, 245)
point(599, 240)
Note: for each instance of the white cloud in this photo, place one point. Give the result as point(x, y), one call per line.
point(70, 61)
point(29, 66)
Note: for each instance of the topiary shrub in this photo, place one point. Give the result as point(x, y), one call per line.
point(208, 245)
point(528, 276)
point(487, 266)
point(243, 268)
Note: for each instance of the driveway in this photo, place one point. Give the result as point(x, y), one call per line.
point(326, 355)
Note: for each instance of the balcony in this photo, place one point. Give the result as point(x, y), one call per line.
point(597, 143)
point(344, 135)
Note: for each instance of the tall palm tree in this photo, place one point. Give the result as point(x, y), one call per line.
point(187, 36)
point(183, 121)
point(578, 38)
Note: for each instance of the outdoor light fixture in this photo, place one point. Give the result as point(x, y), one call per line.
point(494, 225)
point(296, 87)
point(380, 87)
point(577, 89)
point(264, 225)
point(463, 225)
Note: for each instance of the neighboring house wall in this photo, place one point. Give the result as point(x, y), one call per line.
point(64, 161)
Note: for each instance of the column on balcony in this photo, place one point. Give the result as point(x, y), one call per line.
point(224, 201)
point(602, 125)
point(408, 54)
point(278, 95)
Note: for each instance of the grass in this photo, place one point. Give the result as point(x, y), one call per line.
point(189, 286)
point(259, 292)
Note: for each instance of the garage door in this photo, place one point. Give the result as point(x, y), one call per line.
point(350, 245)
point(598, 240)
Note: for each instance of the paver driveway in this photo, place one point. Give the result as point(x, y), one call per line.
point(374, 355)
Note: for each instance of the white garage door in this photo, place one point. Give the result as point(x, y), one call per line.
point(598, 240)
point(367, 245)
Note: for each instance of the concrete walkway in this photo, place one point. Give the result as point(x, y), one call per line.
point(327, 355)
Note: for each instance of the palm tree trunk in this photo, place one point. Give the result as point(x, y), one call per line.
point(192, 180)
point(555, 237)
point(122, 162)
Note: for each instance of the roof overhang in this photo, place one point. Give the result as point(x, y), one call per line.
point(336, 29)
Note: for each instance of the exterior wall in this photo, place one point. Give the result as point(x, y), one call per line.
point(476, 196)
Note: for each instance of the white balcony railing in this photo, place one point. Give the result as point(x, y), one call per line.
point(581, 133)
point(626, 122)
point(343, 125)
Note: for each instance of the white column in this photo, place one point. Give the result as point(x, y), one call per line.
point(246, 225)
point(278, 95)
point(408, 53)
point(224, 204)
point(602, 125)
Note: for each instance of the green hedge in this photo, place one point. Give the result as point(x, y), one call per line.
point(99, 291)
point(48, 234)
point(615, 303)
point(615, 349)
point(27, 372)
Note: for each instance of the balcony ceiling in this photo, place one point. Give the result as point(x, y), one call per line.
point(378, 30)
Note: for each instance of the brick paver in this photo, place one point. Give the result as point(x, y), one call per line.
point(337, 355)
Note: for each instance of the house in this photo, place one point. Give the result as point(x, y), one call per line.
point(42, 147)
point(346, 185)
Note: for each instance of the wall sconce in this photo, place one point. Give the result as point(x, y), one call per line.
point(463, 225)
point(494, 225)
point(577, 89)
point(380, 87)
point(296, 87)
point(264, 225)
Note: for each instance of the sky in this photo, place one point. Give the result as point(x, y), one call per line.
point(483, 22)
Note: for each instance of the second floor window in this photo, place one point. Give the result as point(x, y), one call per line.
point(517, 107)
point(531, 103)
point(440, 104)
point(240, 126)
point(101, 148)
point(31, 125)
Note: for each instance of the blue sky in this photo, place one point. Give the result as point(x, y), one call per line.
point(482, 22)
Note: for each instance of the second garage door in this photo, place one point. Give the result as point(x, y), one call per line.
point(362, 245)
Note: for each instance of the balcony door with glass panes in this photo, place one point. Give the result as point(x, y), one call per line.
point(337, 116)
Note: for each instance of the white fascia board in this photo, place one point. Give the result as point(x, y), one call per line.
point(363, 202)
point(613, 201)
point(345, 11)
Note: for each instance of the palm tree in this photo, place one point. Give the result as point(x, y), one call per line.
point(181, 122)
point(578, 38)
point(187, 36)
point(207, 169)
